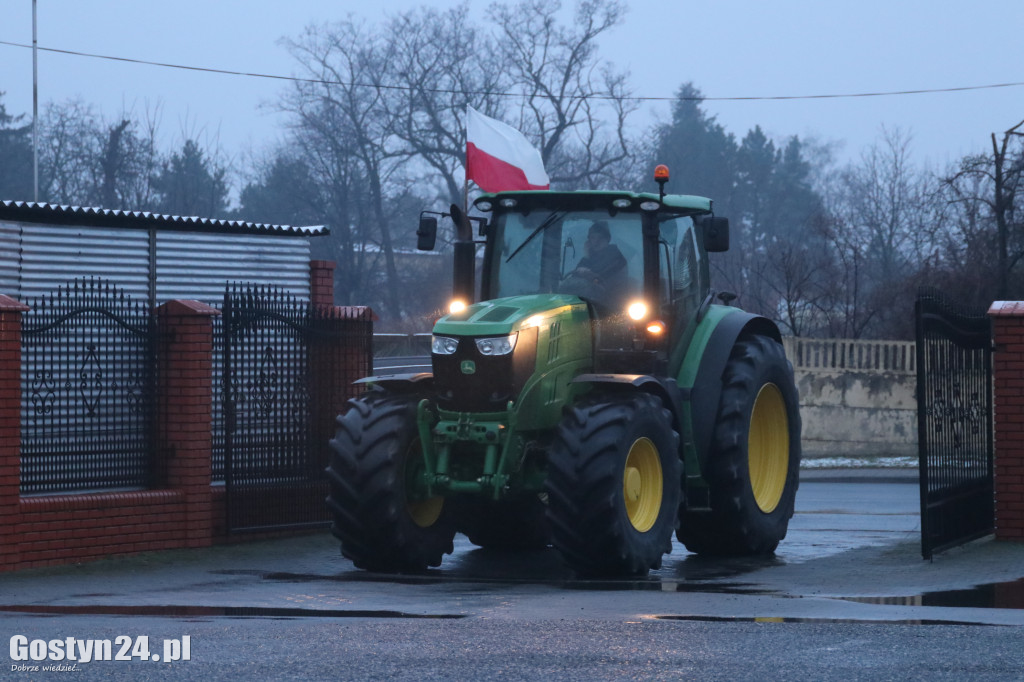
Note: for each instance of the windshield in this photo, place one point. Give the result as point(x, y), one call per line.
point(581, 252)
point(591, 254)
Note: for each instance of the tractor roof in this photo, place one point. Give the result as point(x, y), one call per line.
point(586, 199)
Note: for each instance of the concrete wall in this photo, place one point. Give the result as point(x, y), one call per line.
point(857, 398)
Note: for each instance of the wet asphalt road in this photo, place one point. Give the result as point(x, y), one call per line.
point(844, 598)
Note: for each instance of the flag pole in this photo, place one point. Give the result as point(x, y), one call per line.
point(465, 175)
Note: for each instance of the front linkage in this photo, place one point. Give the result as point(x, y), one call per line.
point(446, 434)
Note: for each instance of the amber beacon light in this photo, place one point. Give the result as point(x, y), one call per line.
point(661, 177)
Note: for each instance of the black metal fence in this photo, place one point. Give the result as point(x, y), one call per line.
point(955, 429)
point(285, 366)
point(88, 368)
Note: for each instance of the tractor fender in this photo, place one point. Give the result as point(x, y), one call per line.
point(667, 389)
point(417, 382)
point(706, 391)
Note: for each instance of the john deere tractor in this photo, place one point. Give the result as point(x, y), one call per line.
point(593, 394)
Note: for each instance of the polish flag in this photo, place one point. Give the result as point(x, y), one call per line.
point(499, 158)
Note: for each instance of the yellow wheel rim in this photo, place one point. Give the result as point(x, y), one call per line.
point(642, 484)
point(424, 513)
point(768, 448)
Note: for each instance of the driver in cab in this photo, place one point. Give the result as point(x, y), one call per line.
point(601, 274)
point(602, 263)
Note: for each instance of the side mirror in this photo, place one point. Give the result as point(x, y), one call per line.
point(716, 234)
point(426, 233)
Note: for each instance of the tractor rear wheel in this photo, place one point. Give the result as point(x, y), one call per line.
point(375, 462)
point(614, 485)
point(754, 463)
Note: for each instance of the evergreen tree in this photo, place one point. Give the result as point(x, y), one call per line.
point(190, 184)
point(700, 154)
point(287, 193)
point(15, 157)
point(756, 183)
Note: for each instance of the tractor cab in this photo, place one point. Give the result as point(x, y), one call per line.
point(639, 261)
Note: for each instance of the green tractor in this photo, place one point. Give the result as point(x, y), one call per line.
point(590, 395)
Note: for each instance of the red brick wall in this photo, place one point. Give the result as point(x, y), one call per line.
point(1008, 386)
point(184, 408)
point(56, 529)
point(10, 429)
point(321, 282)
point(184, 509)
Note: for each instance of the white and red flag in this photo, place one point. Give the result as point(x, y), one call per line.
point(499, 158)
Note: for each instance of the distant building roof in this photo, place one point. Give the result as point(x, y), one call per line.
point(53, 214)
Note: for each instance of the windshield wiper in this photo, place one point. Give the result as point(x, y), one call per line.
point(548, 222)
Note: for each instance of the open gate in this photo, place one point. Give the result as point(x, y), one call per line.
point(285, 365)
point(954, 417)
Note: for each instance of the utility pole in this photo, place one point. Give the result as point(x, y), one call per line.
point(35, 109)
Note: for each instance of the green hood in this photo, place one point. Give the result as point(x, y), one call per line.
point(506, 315)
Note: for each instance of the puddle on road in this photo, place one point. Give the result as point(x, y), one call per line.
point(686, 573)
point(1009, 595)
point(813, 621)
point(663, 586)
point(653, 583)
point(223, 611)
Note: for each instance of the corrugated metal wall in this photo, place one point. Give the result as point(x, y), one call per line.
point(36, 259)
point(10, 249)
point(196, 266)
point(54, 255)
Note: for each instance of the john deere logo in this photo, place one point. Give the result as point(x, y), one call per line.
point(468, 367)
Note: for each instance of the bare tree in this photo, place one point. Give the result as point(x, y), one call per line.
point(565, 87)
point(441, 64)
point(345, 112)
point(882, 210)
point(89, 161)
point(993, 181)
point(67, 149)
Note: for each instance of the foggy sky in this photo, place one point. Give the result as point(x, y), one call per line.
point(725, 47)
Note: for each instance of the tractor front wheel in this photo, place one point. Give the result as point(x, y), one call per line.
point(614, 485)
point(383, 520)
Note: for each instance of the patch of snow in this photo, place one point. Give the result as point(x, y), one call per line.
point(859, 462)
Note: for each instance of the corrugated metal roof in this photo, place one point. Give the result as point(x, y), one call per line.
point(53, 214)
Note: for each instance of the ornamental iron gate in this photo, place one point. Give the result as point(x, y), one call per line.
point(88, 368)
point(955, 428)
point(286, 366)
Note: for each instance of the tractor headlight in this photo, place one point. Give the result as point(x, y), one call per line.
point(444, 345)
point(637, 310)
point(497, 345)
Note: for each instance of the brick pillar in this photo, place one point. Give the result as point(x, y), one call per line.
point(321, 282)
point(184, 408)
point(1008, 384)
point(338, 357)
point(10, 428)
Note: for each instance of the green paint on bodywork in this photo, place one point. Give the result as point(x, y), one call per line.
point(503, 316)
point(692, 354)
point(694, 351)
point(496, 442)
